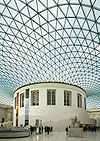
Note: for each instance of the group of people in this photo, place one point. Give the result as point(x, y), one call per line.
point(85, 128)
point(48, 129)
point(39, 130)
point(7, 124)
point(90, 128)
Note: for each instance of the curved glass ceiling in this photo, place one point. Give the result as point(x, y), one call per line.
point(50, 40)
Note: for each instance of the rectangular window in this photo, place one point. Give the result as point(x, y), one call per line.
point(27, 93)
point(67, 98)
point(22, 100)
point(79, 100)
point(35, 97)
point(51, 97)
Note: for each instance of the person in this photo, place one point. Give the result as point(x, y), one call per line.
point(66, 130)
point(45, 128)
point(42, 129)
point(51, 129)
point(34, 129)
point(48, 130)
point(1, 125)
point(31, 129)
point(39, 130)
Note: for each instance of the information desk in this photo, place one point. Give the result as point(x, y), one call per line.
point(75, 132)
point(14, 132)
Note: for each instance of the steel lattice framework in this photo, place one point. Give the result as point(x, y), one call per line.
point(50, 40)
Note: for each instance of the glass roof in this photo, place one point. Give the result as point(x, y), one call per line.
point(50, 40)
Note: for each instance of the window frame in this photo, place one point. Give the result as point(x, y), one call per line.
point(51, 94)
point(67, 98)
point(35, 97)
point(79, 100)
point(21, 100)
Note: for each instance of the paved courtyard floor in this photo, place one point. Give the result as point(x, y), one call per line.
point(59, 136)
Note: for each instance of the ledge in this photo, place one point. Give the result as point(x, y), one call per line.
point(57, 82)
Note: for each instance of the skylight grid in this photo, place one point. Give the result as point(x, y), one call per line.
point(56, 40)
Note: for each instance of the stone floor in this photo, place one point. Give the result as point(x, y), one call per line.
point(59, 136)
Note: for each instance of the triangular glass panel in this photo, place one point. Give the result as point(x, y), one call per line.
point(91, 15)
point(71, 21)
point(70, 12)
point(50, 16)
point(64, 8)
point(75, 8)
point(33, 5)
point(41, 6)
point(20, 4)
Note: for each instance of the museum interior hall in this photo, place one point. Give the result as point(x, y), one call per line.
point(50, 70)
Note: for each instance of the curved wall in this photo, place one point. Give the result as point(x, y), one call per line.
point(58, 115)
